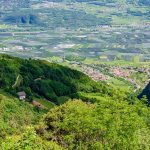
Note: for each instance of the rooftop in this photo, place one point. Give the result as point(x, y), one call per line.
point(21, 93)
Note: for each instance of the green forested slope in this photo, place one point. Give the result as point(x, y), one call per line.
point(51, 81)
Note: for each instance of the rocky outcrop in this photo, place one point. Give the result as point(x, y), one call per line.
point(146, 92)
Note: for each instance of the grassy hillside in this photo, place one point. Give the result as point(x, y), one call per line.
point(15, 115)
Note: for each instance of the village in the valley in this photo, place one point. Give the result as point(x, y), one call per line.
point(109, 73)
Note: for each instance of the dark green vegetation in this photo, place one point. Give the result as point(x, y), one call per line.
point(105, 117)
point(146, 92)
point(41, 79)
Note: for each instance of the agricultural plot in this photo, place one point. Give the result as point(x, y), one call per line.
point(123, 42)
point(82, 32)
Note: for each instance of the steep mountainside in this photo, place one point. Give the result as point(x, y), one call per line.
point(42, 79)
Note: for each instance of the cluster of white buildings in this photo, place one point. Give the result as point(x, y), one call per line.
point(94, 73)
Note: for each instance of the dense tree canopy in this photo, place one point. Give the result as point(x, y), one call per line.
point(41, 79)
point(105, 125)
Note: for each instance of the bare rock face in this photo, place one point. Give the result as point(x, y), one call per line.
point(146, 92)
